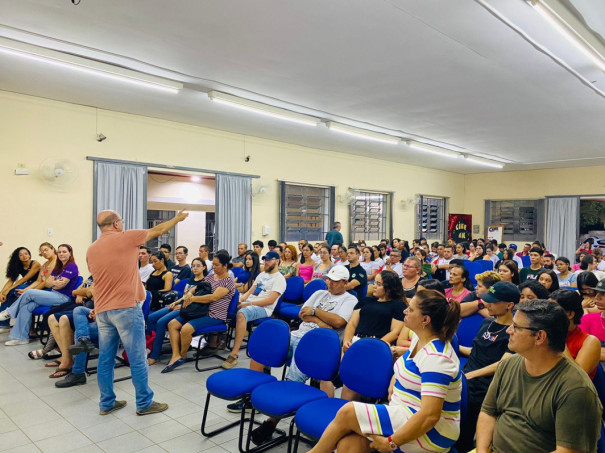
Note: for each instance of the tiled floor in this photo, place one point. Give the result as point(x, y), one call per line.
point(35, 416)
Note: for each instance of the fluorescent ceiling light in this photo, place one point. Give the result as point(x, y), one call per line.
point(486, 162)
point(263, 109)
point(41, 54)
point(363, 133)
point(433, 149)
point(568, 32)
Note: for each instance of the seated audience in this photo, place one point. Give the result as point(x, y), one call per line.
point(589, 264)
point(472, 302)
point(329, 309)
point(342, 255)
point(216, 302)
point(306, 264)
point(394, 263)
point(358, 279)
point(548, 261)
point(586, 282)
point(412, 270)
point(252, 266)
point(509, 272)
point(423, 413)
point(157, 321)
point(62, 281)
point(166, 250)
point(239, 260)
point(531, 272)
point(579, 258)
point(258, 302)
point(531, 290)
point(21, 272)
point(548, 279)
point(461, 284)
point(369, 264)
point(565, 276)
point(145, 267)
point(289, 262)
point(379, 316)
point(490, 255)
point(257, 247)
point(204, 253)
point(489, 347)
point(582, 348)
point(461, 249)
point(159, 282)
point(592, 323)
point(538, 401)
point(477, 254)
point(181, 270)
point(324, 266)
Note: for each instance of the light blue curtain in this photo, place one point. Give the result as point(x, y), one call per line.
point(121, 188)
point(562, 225)
point(233, 212)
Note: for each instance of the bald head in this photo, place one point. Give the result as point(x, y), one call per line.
point(107, 218)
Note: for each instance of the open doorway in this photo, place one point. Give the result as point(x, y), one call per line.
point(592, 222)
point(169, 192)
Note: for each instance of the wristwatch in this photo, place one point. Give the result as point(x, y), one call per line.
point(392, 445)
point(480, 305)
point(313, 311)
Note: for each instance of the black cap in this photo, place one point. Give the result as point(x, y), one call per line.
point(502, 292)
point(600, 286)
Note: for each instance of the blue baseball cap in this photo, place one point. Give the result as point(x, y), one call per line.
point(271, 255)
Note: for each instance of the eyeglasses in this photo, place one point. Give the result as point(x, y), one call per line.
point(516, 328)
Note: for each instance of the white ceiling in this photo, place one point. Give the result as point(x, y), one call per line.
point(442, 71)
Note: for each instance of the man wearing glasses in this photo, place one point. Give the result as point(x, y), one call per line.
point(539, 401)
point(258, 302)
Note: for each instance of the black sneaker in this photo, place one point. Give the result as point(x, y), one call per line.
point(239, 405)
point(82, 345)
point(263, 433)
point(71, 380)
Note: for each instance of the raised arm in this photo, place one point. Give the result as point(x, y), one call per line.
point(164, 227)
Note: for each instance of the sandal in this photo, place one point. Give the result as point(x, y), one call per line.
point(52, 354)
point(61, 372)
point(37, 354)
point(53, 364)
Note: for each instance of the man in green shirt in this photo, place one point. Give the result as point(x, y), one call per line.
point(531, 272)
point(539, 401)
point(334, 236)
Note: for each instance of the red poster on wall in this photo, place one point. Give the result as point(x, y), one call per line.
point(459, 227)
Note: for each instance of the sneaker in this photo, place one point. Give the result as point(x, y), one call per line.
point(4, 315)
point(230, 362)
point(239, 405)
point(153, 409)
point(15, 342)
point(5, 329)
point(208, 350)
point(82, 345)
point(263, 433)
point(71, 379)
point(116, 406)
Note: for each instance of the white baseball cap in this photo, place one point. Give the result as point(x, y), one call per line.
point(338, 273)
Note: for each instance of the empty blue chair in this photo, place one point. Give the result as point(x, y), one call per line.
point(237, 271)
point(268, 346)
point(243, 276)
point(478, 267)
point(468, 328)
point(317, 356)
point(366, 368)
point(312, 287)
point(526, 261)
point(290, 311)
point(294, 290)
point(180, 287)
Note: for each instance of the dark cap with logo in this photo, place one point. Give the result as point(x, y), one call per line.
point(502, 292)
point(600, 286)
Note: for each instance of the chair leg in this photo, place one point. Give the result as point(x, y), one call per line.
point(222, 428)
point(280, 439)
point(296, 441)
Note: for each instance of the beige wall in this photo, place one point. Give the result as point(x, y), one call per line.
point(527, 185)
point(35, 128)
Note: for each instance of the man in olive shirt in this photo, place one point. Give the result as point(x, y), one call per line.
point(539, 401)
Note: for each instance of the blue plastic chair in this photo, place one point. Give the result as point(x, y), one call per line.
point(317, 356)
point(146, 305)
point(371, 379)
point(468, 328)
point(237, 271)
point(294, 290)
point(312, 287)
point(180, 287)
point(526, 261)
point(268, 345)
point(243, 276)
point(290, 311)
point(477, 267)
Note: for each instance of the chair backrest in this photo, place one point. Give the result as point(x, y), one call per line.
point(599, 383)
point(180, 287)
point(318, 354)
point(468, 328)
point(313, 286)
point(243, 277)
point(146, 304)
point(367, 367)
point(526, 261)
point(270, 342)
point(477, 267)
point(232, 309)
point(294, 290)
point(237, 271)
point(79, 281)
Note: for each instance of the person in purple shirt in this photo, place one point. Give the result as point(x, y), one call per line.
point(59, 286)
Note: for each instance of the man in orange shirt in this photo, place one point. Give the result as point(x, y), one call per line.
point(113, 262)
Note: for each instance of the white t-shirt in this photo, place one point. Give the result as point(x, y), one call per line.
point(265, 285)
point(342, 263)
point(441, 261)
point(341, 305)
point(398, 269)
point(519, 262)
point(145, 272)
point(601, 266)
point(369, 267)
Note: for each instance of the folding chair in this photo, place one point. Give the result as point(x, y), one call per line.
point(268, 346)
point(366, 368)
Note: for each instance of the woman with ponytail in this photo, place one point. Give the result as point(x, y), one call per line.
point(430, 369)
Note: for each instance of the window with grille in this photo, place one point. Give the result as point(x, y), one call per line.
point(306, 212)
point(431, 218)
point(370, 216)
point(522, 219)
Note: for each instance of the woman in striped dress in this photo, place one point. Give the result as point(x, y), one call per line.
point(424, 410)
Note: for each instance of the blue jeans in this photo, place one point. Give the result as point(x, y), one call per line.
point(294, 374)
point(158, 322)
point(10, 298)
point(127, 325)
point(83, 329)
point(24, 306)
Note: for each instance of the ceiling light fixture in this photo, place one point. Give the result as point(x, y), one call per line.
point(41, 54)
point(482, 161)
point(263, 109)
point(433, 149)
point(196, 179)
point(568, 32)
point(363, 133)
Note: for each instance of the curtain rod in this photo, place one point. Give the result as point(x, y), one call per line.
point(298, 183)
point(170, 167)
